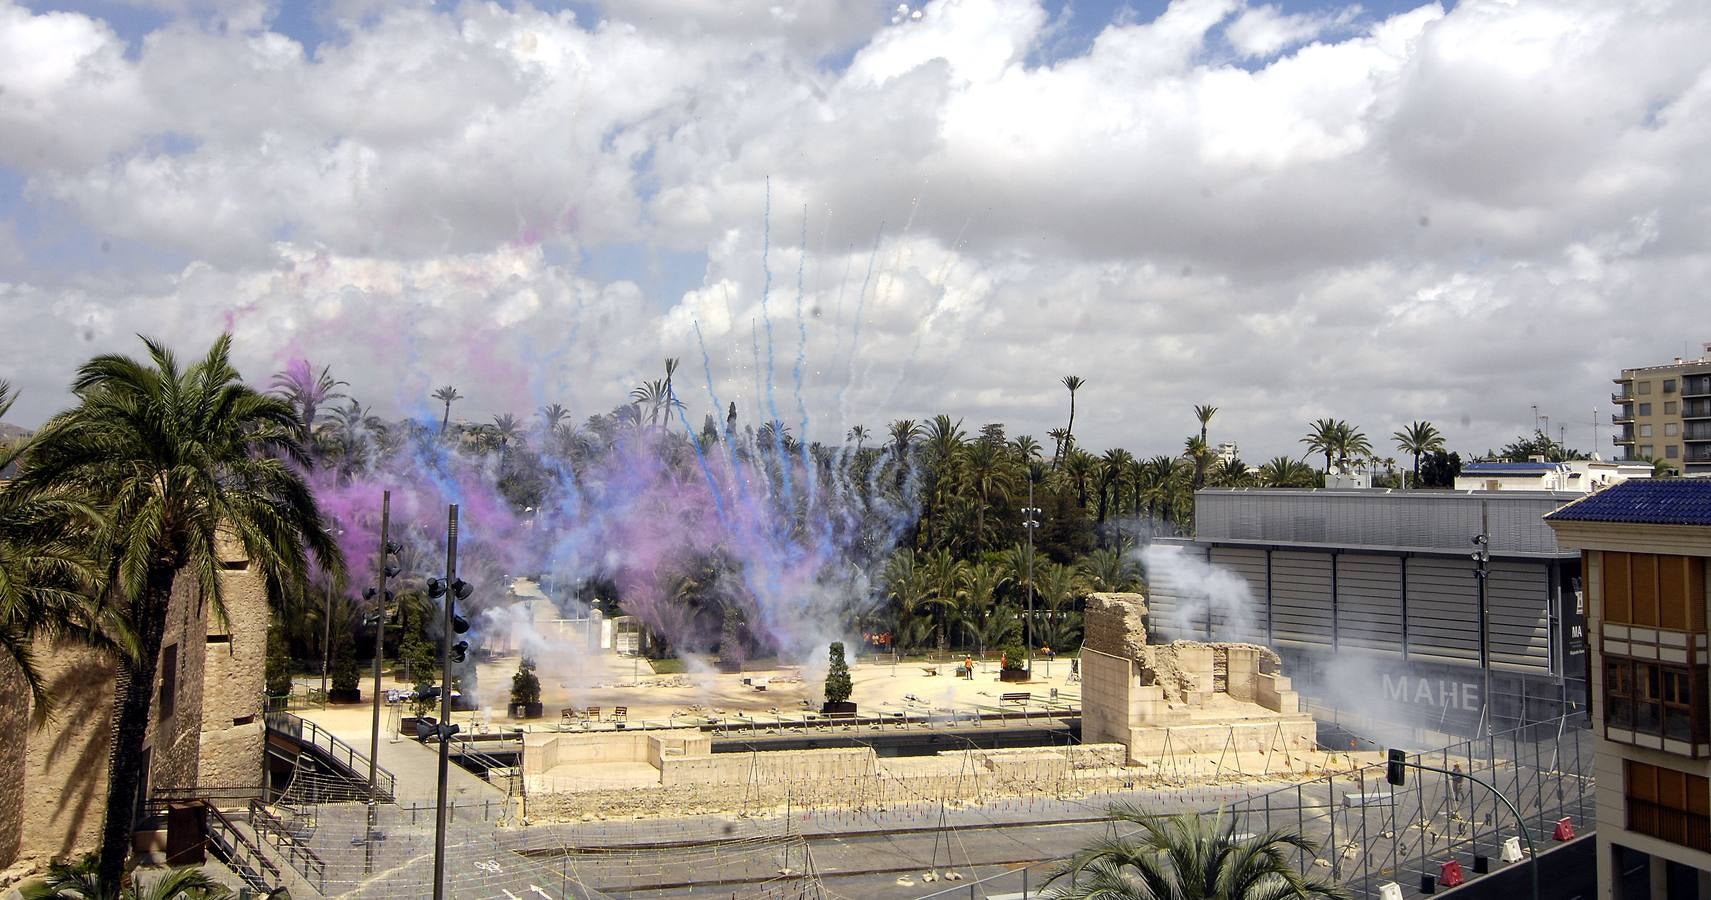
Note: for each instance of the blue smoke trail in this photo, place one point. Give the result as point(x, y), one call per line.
point(766, 316)
point(730, 435)
point(802, 360)
point(855, 336)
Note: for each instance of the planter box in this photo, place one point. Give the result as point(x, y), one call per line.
point(354, 695)
point(1015, 675)
point(526, 710)
point(845, 708)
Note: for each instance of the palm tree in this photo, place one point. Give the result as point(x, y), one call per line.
point(1322, 437)
point(1281, 471)
point(1074, 383)
point(1113, 468)
point(46, 574)
point(179, 462)
point(1419, 439)
point(1057, 435)
point(552, 414)
point(80, 882)
point(651, 398)
point(1190, 858)
point(307, 392)
point(1351, 442)
point(447, 395)
point(1204, 414)
point(671, 402)
point(980, 585)
point(857, 433)
point(1025, 448)
point(506, 428)
point(1110, 569)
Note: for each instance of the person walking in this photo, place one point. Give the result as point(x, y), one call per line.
point(1456, 779)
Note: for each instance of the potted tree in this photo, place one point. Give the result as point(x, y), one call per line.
point(525, 691)
point(838, 685)
point(1015, 663)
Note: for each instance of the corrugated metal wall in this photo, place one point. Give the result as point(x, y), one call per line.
point(1412, 520)
point(1369, 602)
point(1301, 599)
point(1443, 610)
point(1517, 598)
point(1250, 565)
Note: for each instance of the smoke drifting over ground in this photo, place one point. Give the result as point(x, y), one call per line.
point(1208, 602)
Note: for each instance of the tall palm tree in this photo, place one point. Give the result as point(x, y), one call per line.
point(1281, 471)
point(976, 595)
point(1113, 468)
point(447, 395)
point(179, 461)
point(859, 434)
point(1190, 858)
point(1025, 448)
point(1199, 456)
point(1110, 569)
point(552, 415)
point(1322, 437)
point(1074, 383)
point(506, 428)
point(46, 574)
point(671, 402)
point(1419, 439)
point(1351, 442)
point(1204, 413)
point(307, 392)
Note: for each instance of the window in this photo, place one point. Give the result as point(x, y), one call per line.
point(1646, 451)
point(1645, 409)
point(1669, 385)
point(1671, 429)
point(1647, 697)
point(1643, 387)
point(1670, 407)
point(1653, 591)
point(1672, 452)
point(168, 681)
point(1669, 805)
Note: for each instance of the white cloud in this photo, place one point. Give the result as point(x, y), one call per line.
point(1425, 216)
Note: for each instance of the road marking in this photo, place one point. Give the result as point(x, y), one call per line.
point(537, 889)
point(509, 895)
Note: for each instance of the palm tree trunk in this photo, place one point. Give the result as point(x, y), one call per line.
point(135, 694)
point(1416, 482)
point(446, 419)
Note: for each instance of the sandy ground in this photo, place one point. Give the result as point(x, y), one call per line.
point(607, 681)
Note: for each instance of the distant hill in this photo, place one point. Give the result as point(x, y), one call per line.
point(8, 432)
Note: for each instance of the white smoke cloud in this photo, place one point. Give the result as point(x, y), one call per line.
point(1202, 596)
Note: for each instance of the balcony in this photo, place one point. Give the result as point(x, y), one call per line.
point(1622, 418)
point(1696, 431)
point(1621, 439)
point(1696, 386)
point(1620, 399)
point(1696, 409)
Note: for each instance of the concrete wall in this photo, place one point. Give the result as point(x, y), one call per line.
point(770, 766)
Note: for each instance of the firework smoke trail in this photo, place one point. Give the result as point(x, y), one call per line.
point(802, 360)
point(932, 315)
point(766, 316)
point(842, 400)
point(730, 433)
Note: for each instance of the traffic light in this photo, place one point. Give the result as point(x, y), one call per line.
point(459, 651)
point(1396, 769)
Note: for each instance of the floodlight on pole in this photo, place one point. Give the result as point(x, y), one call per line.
point(1030, 521)
point(438, 588)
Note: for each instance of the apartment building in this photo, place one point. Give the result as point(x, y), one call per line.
point(1646, 549)
point(1664, 413)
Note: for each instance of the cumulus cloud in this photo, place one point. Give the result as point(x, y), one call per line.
point(1445, 214)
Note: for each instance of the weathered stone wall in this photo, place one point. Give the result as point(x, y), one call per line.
point(767, 766)
point(1116, 624)
point(65, 765)
point(14, 730)
point(234, 678)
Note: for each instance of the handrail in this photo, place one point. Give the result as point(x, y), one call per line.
point(512, 772)
point(237, 851)
point(306, 731)
point(270, 828)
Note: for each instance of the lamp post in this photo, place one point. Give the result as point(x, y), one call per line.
point(382, 597)
point(1481, 570)
point(1030, 521)
point(452, 589)
point(327, 627)
point(1399, 759)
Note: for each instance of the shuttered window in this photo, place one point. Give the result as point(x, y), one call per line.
point(1668, 805)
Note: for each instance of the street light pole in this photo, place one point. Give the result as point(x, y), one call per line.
point(1030, 521)
point(326, 636)
point(380, 631)
point(1532, 852)
point(1482, 569)
point(445, 705)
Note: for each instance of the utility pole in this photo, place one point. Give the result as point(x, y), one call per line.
point(445, 704)
point(387, 569)
point(1481, 572)
point(1030, 521)
point(326, 636)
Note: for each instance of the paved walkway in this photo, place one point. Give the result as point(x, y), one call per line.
point(414, 765)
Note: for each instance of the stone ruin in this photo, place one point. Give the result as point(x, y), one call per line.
point(1182, 696)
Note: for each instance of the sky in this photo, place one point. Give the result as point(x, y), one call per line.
point(849, 213)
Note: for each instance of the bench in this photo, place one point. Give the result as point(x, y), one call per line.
point(1019, 697)
point(567, 713)
point(620, 713)
point(594, 713)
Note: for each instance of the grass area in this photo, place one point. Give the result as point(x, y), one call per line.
point(669, 666)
